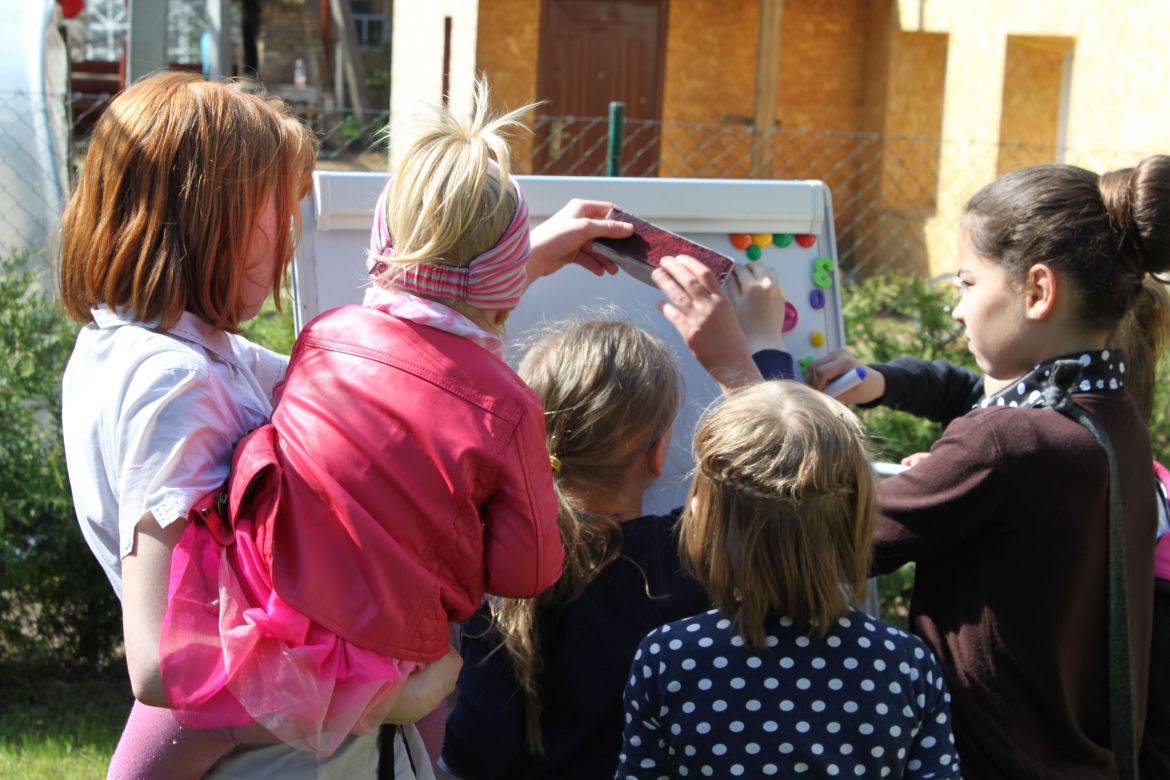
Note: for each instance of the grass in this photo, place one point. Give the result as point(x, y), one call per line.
point(57, 726)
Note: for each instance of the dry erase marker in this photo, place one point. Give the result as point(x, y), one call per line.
point(847, 381)
point(883, 469)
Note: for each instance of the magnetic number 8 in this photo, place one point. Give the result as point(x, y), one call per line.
point(822, 275)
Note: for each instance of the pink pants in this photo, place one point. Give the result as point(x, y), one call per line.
point(154, 745)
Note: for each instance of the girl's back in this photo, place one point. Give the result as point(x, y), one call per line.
point(436, 456)
point(865, 700)
point(132, 400)
point(784, 677)
point(586, 645)
point(1006, 583)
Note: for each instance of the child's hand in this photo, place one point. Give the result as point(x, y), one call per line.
point(564, 237)
point(425, 689)
point(825, 369)
point(758, 301)
point(703, 316)
point(913, 460)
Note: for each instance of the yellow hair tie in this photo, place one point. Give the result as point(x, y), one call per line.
point(555, 462)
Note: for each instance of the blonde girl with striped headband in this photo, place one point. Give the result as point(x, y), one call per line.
point(452, 225)
point(404, 473)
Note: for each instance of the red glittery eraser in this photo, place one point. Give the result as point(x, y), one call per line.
point(640, 253)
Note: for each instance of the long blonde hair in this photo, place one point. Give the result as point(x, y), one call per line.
point(780, 512)
point(177, 175)
point(610, 392)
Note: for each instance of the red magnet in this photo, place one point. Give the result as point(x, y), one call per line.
point(790, 316)
point(741, 240)
point(806, 240)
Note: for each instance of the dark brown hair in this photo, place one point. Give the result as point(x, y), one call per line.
point(610, 391)
point(780, 512)
point(1104, 234)
point(1141, 337)
point(178, 173)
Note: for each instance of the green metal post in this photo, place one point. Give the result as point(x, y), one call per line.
point(613, 160)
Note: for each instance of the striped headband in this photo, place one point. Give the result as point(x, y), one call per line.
point(494, 279)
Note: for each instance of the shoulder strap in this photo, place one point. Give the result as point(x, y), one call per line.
point(1121, 727)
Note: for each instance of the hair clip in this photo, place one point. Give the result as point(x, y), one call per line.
point(555, 462)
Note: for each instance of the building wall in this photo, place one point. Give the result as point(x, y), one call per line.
point(710, 79)
point(508, 47)
point(912, 104)
point(507, 52)
point(289, 30)
point(416, 70)
point(1108, 104)
point(1033, 91)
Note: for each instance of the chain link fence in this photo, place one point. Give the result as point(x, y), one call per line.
point(897, 199)
point(34, 177)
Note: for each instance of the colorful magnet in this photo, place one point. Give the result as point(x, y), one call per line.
point(805, 362)
point(754, 252)
point(816, 299)
point(741, 240)
point(762, 239)
point(782, 239)
point(790, 316)
point(806, 240)
point(817, 339)
point(822, 275)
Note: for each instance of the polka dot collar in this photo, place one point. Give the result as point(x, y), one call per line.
point(1103, 370)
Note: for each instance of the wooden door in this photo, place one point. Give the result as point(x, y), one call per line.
point(593, 52)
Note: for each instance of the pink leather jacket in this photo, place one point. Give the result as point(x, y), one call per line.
point(404, 473)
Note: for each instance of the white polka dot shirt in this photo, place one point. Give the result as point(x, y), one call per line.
point(867, 700)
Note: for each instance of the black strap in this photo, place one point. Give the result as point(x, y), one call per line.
point(1121, 727)
point(386, 751)
point(388, 735)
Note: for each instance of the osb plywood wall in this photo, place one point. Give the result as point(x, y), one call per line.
point(710, 79)
point(911, 105)
point(507, 51)
point(1033, 86)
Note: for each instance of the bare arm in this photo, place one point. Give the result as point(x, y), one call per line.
point(564, 238)
point(697, 307)
point(426, 689)
point(145, 579)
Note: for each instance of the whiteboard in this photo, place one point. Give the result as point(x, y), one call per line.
point(790, 223)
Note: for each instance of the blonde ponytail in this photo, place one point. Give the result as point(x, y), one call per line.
point(450, 199)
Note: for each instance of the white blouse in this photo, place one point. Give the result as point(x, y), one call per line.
point(151, 418)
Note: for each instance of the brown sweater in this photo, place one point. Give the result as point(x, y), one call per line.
point(1007, 520)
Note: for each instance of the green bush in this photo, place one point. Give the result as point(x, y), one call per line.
point(893, 315)
point(271, 328)
point(1160, 419)
point(888, 316)
point(56, 605)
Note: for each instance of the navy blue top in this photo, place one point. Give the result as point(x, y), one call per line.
point(586, 646)
point(867, 700)
point(775, 364)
